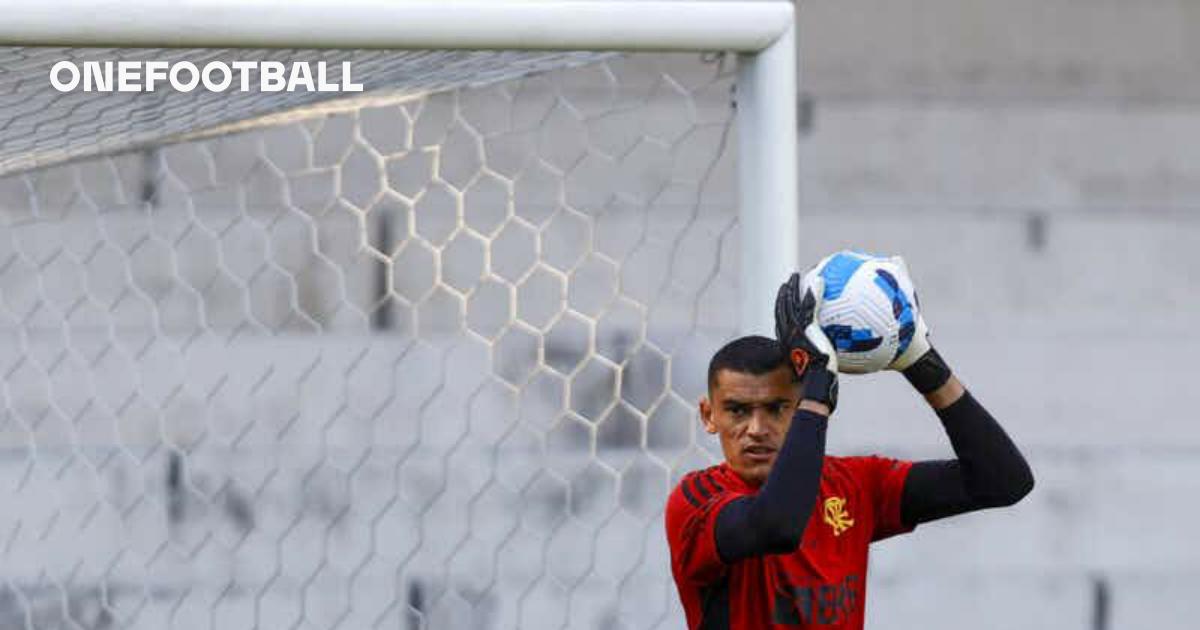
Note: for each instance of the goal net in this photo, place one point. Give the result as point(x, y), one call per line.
point(423, 357)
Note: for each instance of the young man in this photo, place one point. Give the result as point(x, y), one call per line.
point(777, 535)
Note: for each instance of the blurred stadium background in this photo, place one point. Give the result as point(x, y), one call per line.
point(432, 361)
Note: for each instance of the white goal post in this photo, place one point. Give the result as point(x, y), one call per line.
point(762, 33)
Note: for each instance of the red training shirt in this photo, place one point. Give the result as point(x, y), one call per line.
point(820, 585)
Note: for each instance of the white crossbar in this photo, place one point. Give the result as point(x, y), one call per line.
point(474, 24)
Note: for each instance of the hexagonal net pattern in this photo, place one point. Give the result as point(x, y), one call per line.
point(43, 126)
point(423, 363)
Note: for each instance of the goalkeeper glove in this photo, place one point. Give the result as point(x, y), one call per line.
point(809, 350)
point(920, 363)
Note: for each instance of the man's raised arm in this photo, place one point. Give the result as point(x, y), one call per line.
point(989, 470)
point(773, 520)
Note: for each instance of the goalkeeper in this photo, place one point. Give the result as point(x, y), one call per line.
point(778, 534)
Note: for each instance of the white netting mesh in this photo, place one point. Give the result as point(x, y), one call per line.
point(424, 364)
point(41, 125)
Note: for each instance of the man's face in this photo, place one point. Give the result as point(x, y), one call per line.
point(751, 414)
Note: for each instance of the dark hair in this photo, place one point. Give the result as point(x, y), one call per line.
point(753, 354)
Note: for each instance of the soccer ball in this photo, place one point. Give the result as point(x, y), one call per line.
point(870, 309)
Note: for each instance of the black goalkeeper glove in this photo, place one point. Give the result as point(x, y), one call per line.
point(810, 351)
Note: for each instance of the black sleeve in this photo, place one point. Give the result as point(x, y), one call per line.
point(989, 471)
point(773, 520)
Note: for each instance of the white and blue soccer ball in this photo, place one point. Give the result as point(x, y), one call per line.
point(870, 309)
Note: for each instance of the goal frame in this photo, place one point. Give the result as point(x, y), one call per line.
point(761, 33)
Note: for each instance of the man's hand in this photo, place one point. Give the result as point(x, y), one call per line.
point(920, 339)
point(920, 363)
point(796, 327)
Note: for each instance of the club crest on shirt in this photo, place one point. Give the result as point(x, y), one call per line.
point(836, 515)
